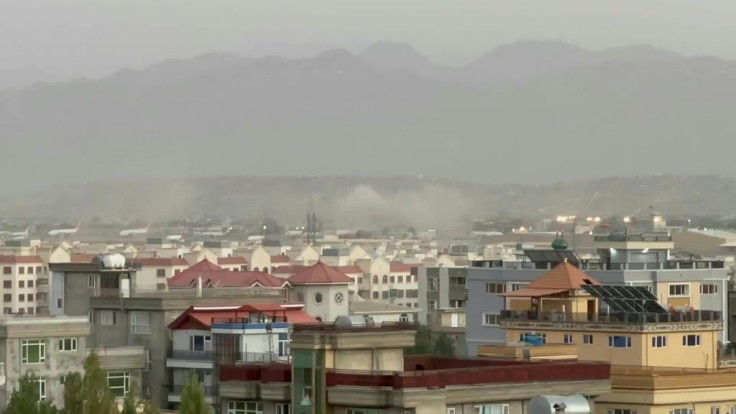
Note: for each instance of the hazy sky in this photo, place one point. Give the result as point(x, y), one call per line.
point(95, 37)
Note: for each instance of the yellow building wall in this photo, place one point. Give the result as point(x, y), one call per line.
point(641, 352)
point(691, 300)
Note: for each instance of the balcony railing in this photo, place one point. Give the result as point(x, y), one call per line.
point(209, 391)
point(614, 317)
point(442, 378)
point(376, 327)
point(190, 355)
point(273, 372)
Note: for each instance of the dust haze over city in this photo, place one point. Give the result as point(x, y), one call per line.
point(199, 193)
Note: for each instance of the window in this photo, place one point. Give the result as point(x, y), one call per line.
point(41, 389)
point(451, 410)
point(715, 410)
point(21, 284)
point(160, 286)
point(200, 343)
point(401, 279)
point(140, 323)
point(709, 289)
point(39, 269)
point(375, 279)
point(385, 279)
point(457, 281)
point(30, 297)
point(283, 344)
point(245, 407)
point(317, 297)
point(404, 318)
point(283, 408)
point(588, 339)
point(492, 409)
point(30, 310)
point(619, 341)
point(30, 283)
point(384, 294)
point(30, 270)
point(68, 344)
point(681, 411)
point(495, 288)
point(7, 311)
point(118, 382)
point(432, 304)
point(457, 304)
point(7, 270)
point(490, 319)
point(21, 270)
point(680, 289)
point(7, 284)
point(620, 411)
point(375, 295)
point(33, 351)
point(690, 340)
point(21, 298)
point(106, 317)
point(392, 279)
point(567, 339)
point(91, 281)
point(517, 286)
point(523, 336)
point(7, 297)
point(659, 341)
point(160, 272)
point(433, 283)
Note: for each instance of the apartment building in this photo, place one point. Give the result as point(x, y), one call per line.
point(640, 260)
point(153, 272)
point(390, 282)
point(440, 288)
point(22, 276)
point(49, 347)
point(663, 360)
point(131, 324)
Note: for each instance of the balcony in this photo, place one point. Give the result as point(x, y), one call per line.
point(190, 359)
point(276, 322)
point(174, 393)
point(272, 372)
point(613, 317)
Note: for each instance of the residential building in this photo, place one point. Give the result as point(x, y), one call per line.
point(323, 290)
point(391, 282)
point(624, 260)
point(233, 263)
point(440, 287)
point(153, 272)
point(21, 278)
point(48, 346)
point(378, 312)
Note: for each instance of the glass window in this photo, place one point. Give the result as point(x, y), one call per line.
point(30, 270)
point(91, 281)
point(375, 279)
point(620, 411)
point(30, 283)
point(567, 339)
point(140, 323)
point(7, 270)
point(106, 317)
point(245, 407)
point(7, 297)
point(41, 389)
point(401, 279)
point(21, 270)
point(160, 272)
point(691, 340)
point(21, 298)
point(200, 343)
point(7, 284)
point(29, 297)
point(283, 344)
point(21, 284)
point(495, 288)
point(709, 289)
point(680, 289)
point(659, 341)
point(681, 411)
point(68, 344)
point(588, 339)
point(433, 283)
point(619, 341)
point(283, 408)
point(33, 351)
point(118, 382)
point(492, 409)
point(490, 319)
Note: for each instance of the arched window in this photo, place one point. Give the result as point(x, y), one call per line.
point(385, 279)
point(375, 278)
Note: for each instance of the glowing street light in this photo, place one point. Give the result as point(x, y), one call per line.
point(627, 219)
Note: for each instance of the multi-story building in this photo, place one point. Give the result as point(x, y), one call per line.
point(131, 325)
point(154, 271)
point(624, 260)
point(391, 282)
point(663, 360)
point(440, 288)
point(21, 278)
point(48, 347)
point(323, 290)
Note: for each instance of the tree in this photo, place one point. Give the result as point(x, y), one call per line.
point(444, 346)
point(73, 400)
point(89, 394)
point(25, 398)
point(192, 398)
point(131, 403)
point(422, 342)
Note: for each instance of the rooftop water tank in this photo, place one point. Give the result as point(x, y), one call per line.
point(113, 261)
point(346, 321)
point(533, 339)
point(553, 404)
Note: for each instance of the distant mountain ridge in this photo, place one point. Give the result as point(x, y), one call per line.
point(529, 112)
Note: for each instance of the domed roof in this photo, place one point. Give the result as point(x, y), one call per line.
point(559, 244)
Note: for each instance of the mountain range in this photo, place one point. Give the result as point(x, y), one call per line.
point(531, 113)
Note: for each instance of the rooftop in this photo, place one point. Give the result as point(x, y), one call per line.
point(368, 306)
point(320, 274)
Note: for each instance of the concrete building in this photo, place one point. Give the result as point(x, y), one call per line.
point(440, 288)
point(49, 347)
point(382, 312)
point(21, 278)
point(323, 290)
point(626, 260)
point(153, 272)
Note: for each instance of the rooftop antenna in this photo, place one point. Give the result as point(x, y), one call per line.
point(312, 223)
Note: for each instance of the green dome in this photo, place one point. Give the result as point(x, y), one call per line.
point(559, 244)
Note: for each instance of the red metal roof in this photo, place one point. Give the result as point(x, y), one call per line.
point(281, 258)
point(160, 261)
point(225, 278)
point(320, 274)
point(201, 317)
point(232, 260)
point(289, 270)
point(563, 276)
point(203, 266)
point(20, 259)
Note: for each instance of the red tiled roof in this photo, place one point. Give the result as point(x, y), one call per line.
point(20, 259)
point(398, 267)
point(320, 274)
point(203, 266)
point(281, 258)
point(232, 260)
point(563, 276)
point(201, 317)
point(225, 278)
point(82, 258)
point(161, 261)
